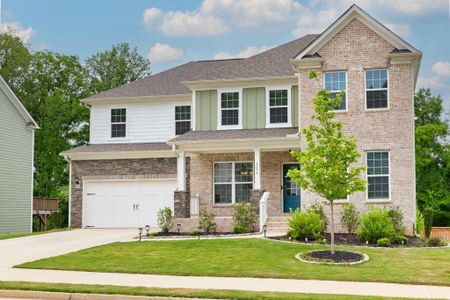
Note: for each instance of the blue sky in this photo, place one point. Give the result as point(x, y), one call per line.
point(176, 31)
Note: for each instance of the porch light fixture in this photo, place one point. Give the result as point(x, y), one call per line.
point(141, 230)
point(214, 228)
point(264, 229)
point(178, 228)
point(147, 228)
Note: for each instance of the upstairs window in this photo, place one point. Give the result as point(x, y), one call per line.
point(336, 82)
point(182, 119)
point(377, 95)
point(229, 107)
point(378, 175)
point(278, 103)
point(118, 122)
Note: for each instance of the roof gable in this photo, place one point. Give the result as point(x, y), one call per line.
point(17, 104)
point(356, 12)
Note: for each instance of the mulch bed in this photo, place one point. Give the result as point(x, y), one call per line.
point(337, 257)
point(188, 234)
point(353, 240)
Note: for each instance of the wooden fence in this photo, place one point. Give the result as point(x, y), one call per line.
point(45, 204)
point(441, 232)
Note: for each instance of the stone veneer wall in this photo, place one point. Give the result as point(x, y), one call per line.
point(354, 49)
point(148, 168)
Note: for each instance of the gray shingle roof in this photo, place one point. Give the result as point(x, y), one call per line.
point(274, 62)
point(96, 148)
point(234, 134)
point(164, 83)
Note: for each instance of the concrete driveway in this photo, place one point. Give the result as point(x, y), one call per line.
point(20, 250)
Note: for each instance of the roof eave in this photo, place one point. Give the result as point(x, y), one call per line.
point(198, 84)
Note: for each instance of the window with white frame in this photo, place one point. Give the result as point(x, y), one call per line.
point(233, 182)
point(377, 94)
point(229, 109)
point(118, 122)
point(336, 82)
point(378, 175)
point(278, 110)
point(182, 119)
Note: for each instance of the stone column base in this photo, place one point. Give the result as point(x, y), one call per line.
point(182, 204)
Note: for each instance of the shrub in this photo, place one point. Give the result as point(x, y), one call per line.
point(152, 234)
point(195, 232)
point(374, 225)
point(428, 221)
point(238, 229)
point(321, 241)
point(383, 242)
point(350, 217)
point(206, 220)
point(420, 222)
point(396, 216)
point(436, 242)
point(398, 239)
point(317, 208)
point(244, 215)
point(305, 225)
point(165, 219)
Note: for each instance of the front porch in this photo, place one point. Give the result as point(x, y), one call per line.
point(222, 173)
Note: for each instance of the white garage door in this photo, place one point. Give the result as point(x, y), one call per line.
point(123, 204)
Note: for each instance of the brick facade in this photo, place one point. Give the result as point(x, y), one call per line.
point(149, 168)
point(354, 49)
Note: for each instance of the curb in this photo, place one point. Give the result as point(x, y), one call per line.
point(39, 295)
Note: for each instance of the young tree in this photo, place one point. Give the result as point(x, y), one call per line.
point(326, 163)
point(118, 66)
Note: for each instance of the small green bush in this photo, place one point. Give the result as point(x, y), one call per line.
point(398, 239)
point(350, 217)
point(152, 234)
point(195, 232)
point(244, 215)
point(396, 216)
point(375, 224)
point(320, 241)
point(383, 242)
point(428, 221)
point(305, 225)
point(317, 208)
point(436, 242)
point(238, 229)
point(206, 220)
point(420, 222)
point(165, 219)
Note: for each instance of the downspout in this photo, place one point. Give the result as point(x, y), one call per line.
point(69, 218)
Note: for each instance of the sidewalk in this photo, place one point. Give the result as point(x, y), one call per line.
point(229, 283)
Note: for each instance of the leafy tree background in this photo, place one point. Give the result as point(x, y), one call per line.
point(51, 85)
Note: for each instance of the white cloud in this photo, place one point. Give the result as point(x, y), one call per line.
point(161, 53)
point(16, 29)
point(403, 30)
point(314, 22)
point(216, 17)
point(441, 68)
point(151, 16)
point(247, 52)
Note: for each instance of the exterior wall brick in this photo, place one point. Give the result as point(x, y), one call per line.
point(355, 49)
point(149, 168)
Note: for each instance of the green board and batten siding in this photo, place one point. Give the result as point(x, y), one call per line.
point(253, 108)
point(16, 142)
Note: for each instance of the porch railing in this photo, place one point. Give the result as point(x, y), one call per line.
point(263, 210)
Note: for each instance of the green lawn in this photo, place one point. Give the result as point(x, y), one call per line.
point(17, 235)
point(184, 293)
point(252, 258)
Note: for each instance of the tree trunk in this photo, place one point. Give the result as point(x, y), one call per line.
point(332, 227)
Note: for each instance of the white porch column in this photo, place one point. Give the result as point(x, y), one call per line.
point(257, 169)
point(181, 170)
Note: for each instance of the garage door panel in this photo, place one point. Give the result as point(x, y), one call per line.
point(125, 211)
point(99, 217)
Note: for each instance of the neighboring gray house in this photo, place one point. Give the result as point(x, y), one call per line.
point(16, 163)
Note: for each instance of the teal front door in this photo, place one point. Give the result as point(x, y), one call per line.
point(291, 191)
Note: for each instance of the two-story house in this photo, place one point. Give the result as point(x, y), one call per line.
point(209, 134)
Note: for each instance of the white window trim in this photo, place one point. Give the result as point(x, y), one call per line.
point(125, 138)
point(233, 181)
point(346, 90)
point(177, 121)
point(289, 106)
point(219, 109)
point(381, 200)
point(382, 89)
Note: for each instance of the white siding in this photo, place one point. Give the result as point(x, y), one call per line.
point(146, 122)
